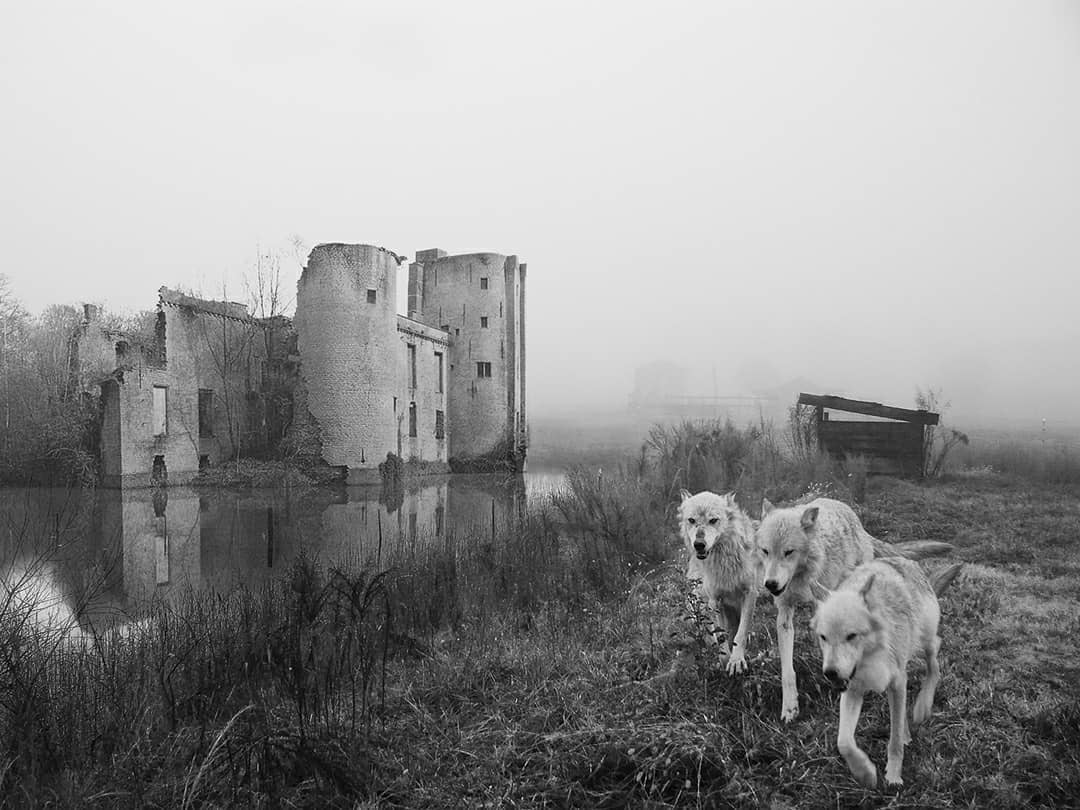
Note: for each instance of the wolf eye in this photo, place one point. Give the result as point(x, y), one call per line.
point(713, 521)
point(765, 551)
point(690, 521)
point(823, 638)
point(851, 636)
point(789, 552)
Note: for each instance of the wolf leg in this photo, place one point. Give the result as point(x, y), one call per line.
point(785, 634)
point(859, 763)
point(737, 661)
point(898, 730)
point(925, 701)
point(717, 614)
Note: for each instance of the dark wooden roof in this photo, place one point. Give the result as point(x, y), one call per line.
point(869, 409)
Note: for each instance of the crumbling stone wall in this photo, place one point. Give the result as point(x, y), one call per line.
point(199, 345)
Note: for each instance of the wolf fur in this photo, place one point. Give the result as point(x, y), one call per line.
point(868, 630)
point(719, 537)
point(814, 546)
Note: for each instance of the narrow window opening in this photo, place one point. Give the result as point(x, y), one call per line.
point(438, 372)
point(159, 474)
point(206, 413)
point(483, 369)
point(483, 282)
point(412, 365)
point(412, 419)
point(483, 322)
point(371, 294)
point(160, 421)
point(440, 425)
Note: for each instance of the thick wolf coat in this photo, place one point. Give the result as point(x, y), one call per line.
point(719, 536)
point(814, 546)
point(868, 629)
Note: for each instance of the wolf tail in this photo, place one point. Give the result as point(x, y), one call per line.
point(941, 578)
point(913, 549)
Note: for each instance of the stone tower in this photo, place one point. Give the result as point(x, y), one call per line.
point(346, 325)
point(479, 299)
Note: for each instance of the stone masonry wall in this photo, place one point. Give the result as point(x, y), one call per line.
point(458, 292)
point(426, 394)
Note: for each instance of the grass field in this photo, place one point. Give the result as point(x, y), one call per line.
point(572, 708)
point(562, 665)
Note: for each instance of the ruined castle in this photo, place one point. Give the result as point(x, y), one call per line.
point(346, 382)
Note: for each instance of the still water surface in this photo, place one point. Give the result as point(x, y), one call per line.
point(124, 548)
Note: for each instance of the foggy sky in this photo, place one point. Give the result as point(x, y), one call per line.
point(875, 196)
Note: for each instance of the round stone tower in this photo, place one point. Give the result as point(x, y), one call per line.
point(346, 327)
point(477, 298)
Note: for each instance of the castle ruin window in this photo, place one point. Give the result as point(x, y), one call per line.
point(371, 295)
point(483, 369)
point(483, 322)
point(483, 283)
point(438, 372)
point(159, 417)
point(412, 419)
point(440, 425)
point(206, 413)
point(412, 365)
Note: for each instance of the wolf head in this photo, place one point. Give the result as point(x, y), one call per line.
point(782, 542)
point(704, 518)
point(846, 627)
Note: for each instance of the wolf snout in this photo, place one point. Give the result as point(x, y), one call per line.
point(774, 587)
point(699, 549)
point(835, 679)
point(700, 535)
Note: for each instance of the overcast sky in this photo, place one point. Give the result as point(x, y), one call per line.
point(875, 196)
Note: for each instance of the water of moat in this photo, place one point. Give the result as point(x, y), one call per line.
point(126, 548)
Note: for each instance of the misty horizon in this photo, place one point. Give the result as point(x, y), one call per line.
point(875, 199)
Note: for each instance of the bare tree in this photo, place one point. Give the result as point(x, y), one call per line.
point(938, 440)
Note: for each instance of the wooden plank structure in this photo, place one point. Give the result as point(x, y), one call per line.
point(891, 448)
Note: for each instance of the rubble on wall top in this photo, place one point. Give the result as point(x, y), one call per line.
point(227, 309)
point(397, 257)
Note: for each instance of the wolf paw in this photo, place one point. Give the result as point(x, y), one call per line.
point(789, 713)
point(736, 664)
point(867, 778)
point(893, 780)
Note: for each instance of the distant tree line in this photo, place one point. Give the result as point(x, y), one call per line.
point(48, 416)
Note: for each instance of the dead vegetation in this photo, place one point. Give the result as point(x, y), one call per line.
point(559, 665)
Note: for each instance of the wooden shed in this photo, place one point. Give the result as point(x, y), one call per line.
point(893, 447)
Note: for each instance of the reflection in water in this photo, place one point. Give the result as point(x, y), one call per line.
point(133, 545)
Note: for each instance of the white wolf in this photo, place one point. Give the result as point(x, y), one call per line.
point(720, 538)
point(815, 545)
point(868, 629)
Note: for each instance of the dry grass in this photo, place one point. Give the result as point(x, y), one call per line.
point(555, 667)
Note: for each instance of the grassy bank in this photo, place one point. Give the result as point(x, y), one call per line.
point(561, 665)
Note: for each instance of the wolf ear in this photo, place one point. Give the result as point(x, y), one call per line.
point(809, 517)
point(684, 494)
point(730, 498)
point(819, 592)
point(864, 591)
point(766, 506)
